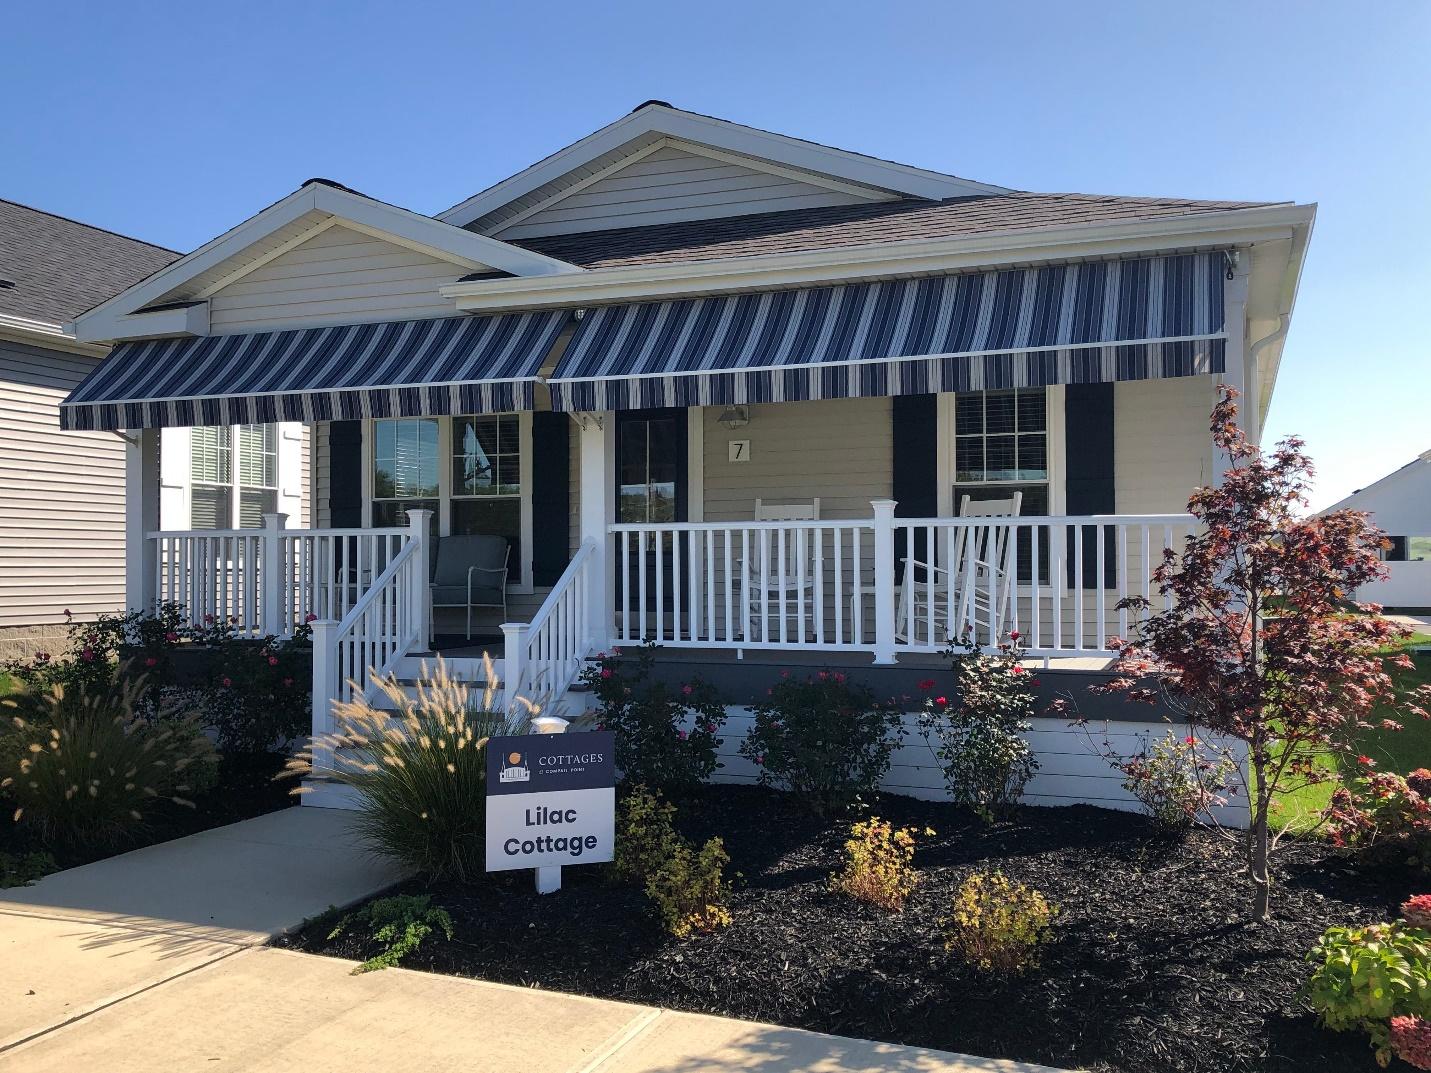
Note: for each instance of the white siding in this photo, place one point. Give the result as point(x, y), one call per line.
point(61, 496)
point(1162, 449)
point(841, 450)
point(340, 276)
point(671, 184)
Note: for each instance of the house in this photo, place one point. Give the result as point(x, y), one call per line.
point(62, 542)
point(1400, 503)
point(762, 401)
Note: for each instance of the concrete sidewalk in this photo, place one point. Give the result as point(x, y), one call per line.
point(154, 960)
point(86, 937)
point(276, 1011)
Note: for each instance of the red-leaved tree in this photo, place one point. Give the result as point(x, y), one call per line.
point(1259, 643)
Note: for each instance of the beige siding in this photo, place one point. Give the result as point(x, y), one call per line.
point(841, 450)
point(322, 512)
point(1162, 449)
point(61, 496)
point(671, 184)
point(340, 276)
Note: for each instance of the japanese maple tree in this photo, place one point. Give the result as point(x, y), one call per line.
point(1259, 643)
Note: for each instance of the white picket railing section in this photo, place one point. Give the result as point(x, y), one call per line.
point(269, 581)
point(543, 657)
point(887, 585)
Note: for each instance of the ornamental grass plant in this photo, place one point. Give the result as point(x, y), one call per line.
point(419, 768)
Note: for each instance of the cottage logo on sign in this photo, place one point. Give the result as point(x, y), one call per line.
point(551, 800)
point(513, 770)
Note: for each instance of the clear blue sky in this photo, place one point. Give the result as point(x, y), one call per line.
point(172, 122)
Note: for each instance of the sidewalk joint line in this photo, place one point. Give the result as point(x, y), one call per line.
point(637, 1027)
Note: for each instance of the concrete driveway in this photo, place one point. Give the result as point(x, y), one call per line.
point(154, 960)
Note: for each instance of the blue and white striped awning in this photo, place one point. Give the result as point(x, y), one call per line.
point(457, 365)
point(1089, 322)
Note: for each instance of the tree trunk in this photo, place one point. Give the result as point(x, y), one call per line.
point(1258, 841)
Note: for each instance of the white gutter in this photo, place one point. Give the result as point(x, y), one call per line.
point(44, 333)
point(1232, 227)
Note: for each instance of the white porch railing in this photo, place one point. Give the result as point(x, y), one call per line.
point(886, 585)
point(268, 581)
point(543, 657)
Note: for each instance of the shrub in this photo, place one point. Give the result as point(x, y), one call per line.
point(645, 836)
point(979, 739)
point(1417, 911)
point(666, 737)
point(84, 767)
point(401, 923)
point(257, 694)
point(997, 925)
point(1176, 780)
point(879, 864)
point(1383, 818)
point(92, 656)
point(690, 889)
point(1366, 976)
point(419, 769)
point(824, 738)
point(1411, 1041)
point(22, 869)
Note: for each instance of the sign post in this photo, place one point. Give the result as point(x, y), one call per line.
point(551, 800)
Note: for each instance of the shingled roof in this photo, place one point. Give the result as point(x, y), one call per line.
point(855, 225)
point(55, 268)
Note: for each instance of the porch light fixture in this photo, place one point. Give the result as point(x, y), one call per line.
point(734, 417)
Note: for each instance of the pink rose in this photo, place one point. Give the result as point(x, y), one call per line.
point(150, 661)
point(171, 637)
point(926, 685)
point(760, 760)
point(606, 672)
point(686, 690)
point(941, 701)
point(228, 682)
point(681, 735)
point(310, 617)
point(273, 661)
point(1014, 635)
point(87, 655)
point(1017, 670)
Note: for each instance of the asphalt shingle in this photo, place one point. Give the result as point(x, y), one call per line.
point(59, 267)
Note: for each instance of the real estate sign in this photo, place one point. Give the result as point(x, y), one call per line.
point(551, 800)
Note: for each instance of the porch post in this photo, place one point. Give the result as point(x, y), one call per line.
point(598, 510)
point(141, 517)
point(325, 689)
point(1234, 301)
point(421, 607)
point(514, 662)
point(884, 579)
point(275, 612)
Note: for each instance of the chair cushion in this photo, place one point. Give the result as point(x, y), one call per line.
point(456, 553)
point(456, 595)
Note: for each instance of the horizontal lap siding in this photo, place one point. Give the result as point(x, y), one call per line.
point(1162, 447)
point(61, 496)
point(670, 185)
point(338, 276)
point(1070, 769)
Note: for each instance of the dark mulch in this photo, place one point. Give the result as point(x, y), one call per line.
point(245, 788)
point(1153, 969)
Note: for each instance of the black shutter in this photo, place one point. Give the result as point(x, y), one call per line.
point(1088, 450)
point(916, 468)
point(345, 474)
point(551, 496)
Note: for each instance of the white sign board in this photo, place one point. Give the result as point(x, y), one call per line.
point(551, 800)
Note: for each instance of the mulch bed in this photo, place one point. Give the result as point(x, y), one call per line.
point(1153, 969)
point(245, 788)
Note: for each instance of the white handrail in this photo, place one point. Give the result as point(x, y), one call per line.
point(543, 657)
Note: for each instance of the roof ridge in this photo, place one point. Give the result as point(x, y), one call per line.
point(89, 226)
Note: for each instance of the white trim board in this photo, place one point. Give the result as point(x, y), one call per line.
point(717, 134)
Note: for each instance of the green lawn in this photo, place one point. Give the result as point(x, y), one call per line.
point(1399, 751)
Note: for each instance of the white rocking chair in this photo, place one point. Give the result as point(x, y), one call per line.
point(798, 566)
point(971, 591)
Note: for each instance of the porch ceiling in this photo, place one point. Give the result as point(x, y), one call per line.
point(1096, 321)
point(465, 364)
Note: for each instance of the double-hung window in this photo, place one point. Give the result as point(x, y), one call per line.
point(1001, 447)
point(486, 478)
point(233, 475)
point(405, 469)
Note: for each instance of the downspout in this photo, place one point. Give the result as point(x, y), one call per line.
point(1254, 353)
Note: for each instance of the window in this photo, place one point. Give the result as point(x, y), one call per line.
point(487, 478)
point(218, 455)
point(649, 458)
point(1407, 549)
point(405, 464)
point(1001, 447)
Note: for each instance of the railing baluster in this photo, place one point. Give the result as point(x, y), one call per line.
point(1100, 582)
point(641, 583)
point(1122, 567)
point(839, 608)
point(1078, 602)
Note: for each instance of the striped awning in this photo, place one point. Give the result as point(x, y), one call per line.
point(1088, 322)
point(394, 369)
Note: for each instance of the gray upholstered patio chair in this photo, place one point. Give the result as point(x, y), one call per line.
point(470, 571)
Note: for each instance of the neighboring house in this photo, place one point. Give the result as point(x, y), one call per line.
point(62, 495)
point(1400, 504)
point(745, 395)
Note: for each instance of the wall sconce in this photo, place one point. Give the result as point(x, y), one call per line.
point(734, 417)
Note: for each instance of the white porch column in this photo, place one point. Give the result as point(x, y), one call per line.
point(276, 608)
point(325, 689)
point(1234, 301)
point(421, 607)
point(884, 579)
point(598, 510)
point(141, 517)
